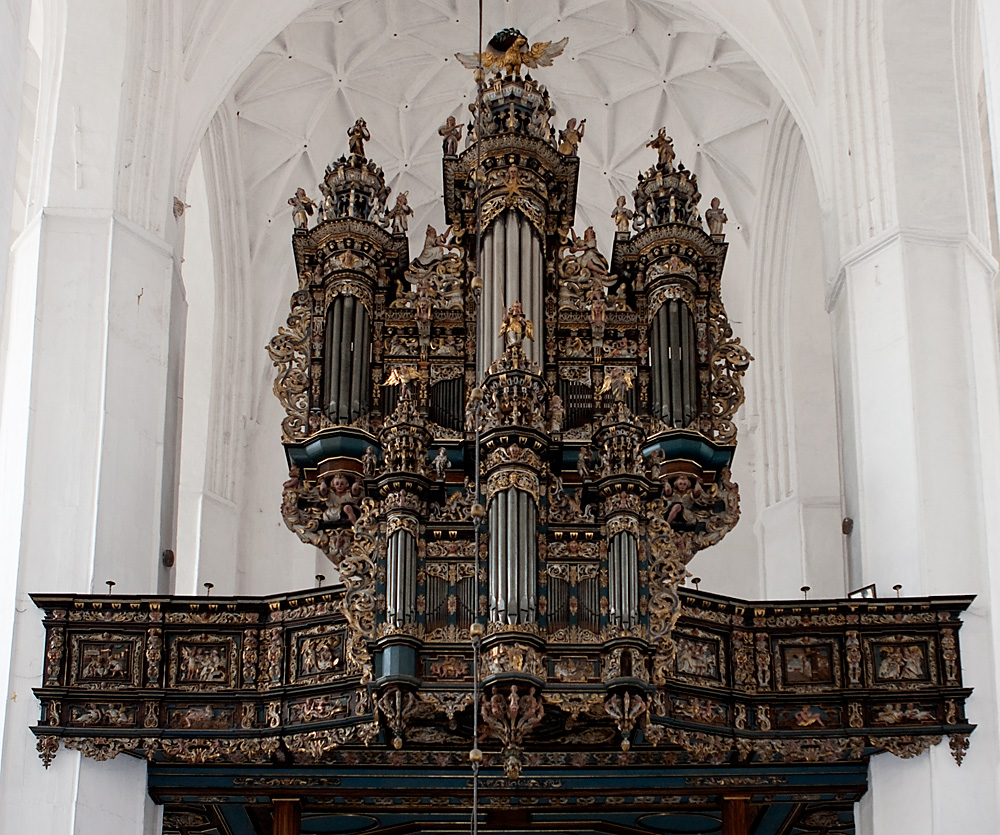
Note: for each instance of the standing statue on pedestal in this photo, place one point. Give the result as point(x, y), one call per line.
point(557, 414)
point(398, 214)
point(302, 208)
point(450, 133)
point(664, 147)
point(570, 138)
point(329, 210)
point(369, 463)
point(357, 135)
point(716, 217)
point(516, 326)
point(441, 463)
point(621, 215)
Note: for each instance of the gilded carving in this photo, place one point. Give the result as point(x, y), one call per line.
point(506, 479)
point(512, 658)
point(626, 709)
point(202, 662)
point(289, 351)
point(508, 717)
point(906, 747)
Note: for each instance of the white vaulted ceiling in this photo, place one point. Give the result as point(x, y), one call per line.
point(630, 66)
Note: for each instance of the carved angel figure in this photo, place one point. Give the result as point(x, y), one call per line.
point(618, 381)
point(441, 464)
point(508, 51)
point(401, 376)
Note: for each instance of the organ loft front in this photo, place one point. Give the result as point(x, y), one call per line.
point(510, 447)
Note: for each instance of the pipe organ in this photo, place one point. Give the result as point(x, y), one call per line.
point(510, 446)
point(596, 394)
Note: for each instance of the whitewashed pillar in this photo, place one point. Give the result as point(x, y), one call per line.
point(917, 376)
point(86, 382)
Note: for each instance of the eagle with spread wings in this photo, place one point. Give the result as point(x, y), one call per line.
point(508, 50)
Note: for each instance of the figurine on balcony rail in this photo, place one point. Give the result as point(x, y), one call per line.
point(621, 215)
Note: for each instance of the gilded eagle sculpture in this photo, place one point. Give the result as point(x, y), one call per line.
point(508, 51)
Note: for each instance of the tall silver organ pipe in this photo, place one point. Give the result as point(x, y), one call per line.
point(512, 270)
point(346, 388)
point(513, 557)
point(623, 580)
point(401, 577)
point(673, 356)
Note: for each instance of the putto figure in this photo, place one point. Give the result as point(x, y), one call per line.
point(508, 51)
point(357, 135)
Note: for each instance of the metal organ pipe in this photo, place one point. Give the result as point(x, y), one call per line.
point(522, 556)
point(359, 351)
point(391, 581)
point(525, 277)
point(674, 365)
point(347, 330)
point(690, 364)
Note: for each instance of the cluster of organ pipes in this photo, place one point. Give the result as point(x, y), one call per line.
point(673, 348)
point(346, 372)
point(623, 579)
point(512, 264)
point(401, 573)
point(513, 557)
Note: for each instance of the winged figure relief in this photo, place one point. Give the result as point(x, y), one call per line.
point(508, 51)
